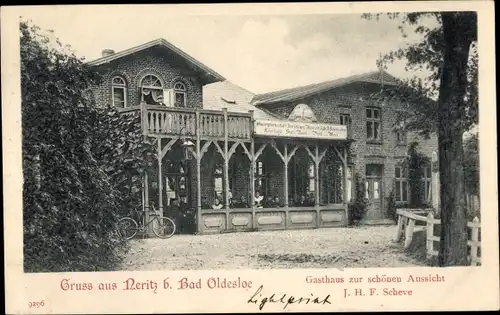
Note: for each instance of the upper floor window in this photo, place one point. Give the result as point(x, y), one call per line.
point(179, 94)
point(119, 92)
point(151, 90)
point(401, 134)
point(373, 122)
point(345, 119)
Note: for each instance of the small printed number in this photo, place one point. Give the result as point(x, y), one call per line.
point(36, 304)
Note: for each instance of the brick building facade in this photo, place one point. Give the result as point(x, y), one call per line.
point(349, 101)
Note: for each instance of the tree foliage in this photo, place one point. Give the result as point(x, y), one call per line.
point(359, 205)
point(79, 161)
point(418, 94)
point(471, 164)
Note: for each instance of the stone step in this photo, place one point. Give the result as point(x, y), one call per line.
point(378, 222)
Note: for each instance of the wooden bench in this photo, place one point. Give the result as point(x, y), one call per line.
point(406, 223)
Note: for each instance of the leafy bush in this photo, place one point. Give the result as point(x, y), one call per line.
point(80, 162)
point(357, 208)
point(392, 207)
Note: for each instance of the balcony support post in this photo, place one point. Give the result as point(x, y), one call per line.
point(226, 167)
point(146, 198)
point(316, 182)
point(344, 162)
point(160, 177)
point(285, 188)
point(251, 202)
point(198, 157)
point(251, 157)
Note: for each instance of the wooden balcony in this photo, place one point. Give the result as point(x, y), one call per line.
point(159, 121)
point(171, 122)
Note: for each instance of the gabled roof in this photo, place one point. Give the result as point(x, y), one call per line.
point(160, 42)
point(233, 97)
point(312, 89)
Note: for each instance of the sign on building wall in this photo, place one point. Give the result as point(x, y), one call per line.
point(292, 129)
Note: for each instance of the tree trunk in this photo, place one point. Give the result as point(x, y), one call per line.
point(457, 39)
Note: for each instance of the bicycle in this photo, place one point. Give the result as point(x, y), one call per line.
point(127, 227)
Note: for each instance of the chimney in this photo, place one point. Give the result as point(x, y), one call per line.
point(107, 52)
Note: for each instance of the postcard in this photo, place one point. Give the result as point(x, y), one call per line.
point(292, 157)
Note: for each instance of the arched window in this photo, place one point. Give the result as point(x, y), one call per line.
point(151, 90)
point(179, 94)
point(119, 92)
point(302, 112)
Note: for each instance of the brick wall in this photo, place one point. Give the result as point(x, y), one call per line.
point(151, 61)
point(353, 100)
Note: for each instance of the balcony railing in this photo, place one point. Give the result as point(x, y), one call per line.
point(184, 121)
point(172, 121)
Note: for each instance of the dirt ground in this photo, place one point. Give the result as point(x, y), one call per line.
point(358, 247)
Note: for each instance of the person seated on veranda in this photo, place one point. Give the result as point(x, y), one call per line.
point(277, 202)
point(310, 201)
point(302, 201)
point(232, 203)
point(242, 203)
point(205, 204)
point(217, 205)
point(269, 202)
point(258, 200)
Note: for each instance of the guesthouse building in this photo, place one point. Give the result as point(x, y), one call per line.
point(242, 162)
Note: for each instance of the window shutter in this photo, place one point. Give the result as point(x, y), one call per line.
point(168, 97)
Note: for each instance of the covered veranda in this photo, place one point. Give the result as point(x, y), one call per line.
point(241, 174)
point(296, 184)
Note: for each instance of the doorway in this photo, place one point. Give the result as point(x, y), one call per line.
point(177, 184)
point(374, 191)
point(177, 196)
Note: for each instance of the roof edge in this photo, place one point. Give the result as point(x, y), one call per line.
point(157, 42)
point(318, 87)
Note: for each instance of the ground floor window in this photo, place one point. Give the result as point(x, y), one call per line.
point(332, 180)
point(349, 183)
point(331, 184)
point(261, 179)
point(426, 181)
point(401, 184)
point(301, 180)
